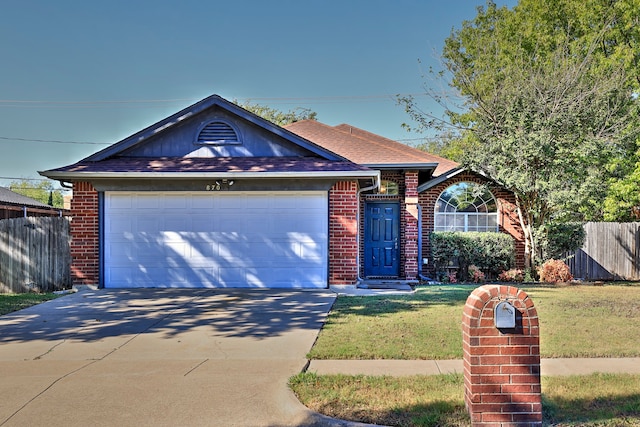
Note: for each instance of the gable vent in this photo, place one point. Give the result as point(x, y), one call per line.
point(218, 132)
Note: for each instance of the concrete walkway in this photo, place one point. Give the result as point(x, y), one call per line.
point(577, 366)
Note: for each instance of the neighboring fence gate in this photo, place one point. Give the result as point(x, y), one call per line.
point(34, 254)
point(611, 251)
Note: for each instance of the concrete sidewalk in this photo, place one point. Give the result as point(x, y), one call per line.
point(577, 366)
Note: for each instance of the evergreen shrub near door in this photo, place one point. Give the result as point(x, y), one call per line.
point(491, 252)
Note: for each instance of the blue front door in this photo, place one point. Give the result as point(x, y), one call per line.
point(381, 239)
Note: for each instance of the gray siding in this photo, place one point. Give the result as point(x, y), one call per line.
point(180, 140)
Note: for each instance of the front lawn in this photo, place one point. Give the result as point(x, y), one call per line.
point(575, 321)
point(15, 302)
point(602, 400)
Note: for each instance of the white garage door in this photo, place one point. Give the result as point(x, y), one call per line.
point(205, 239)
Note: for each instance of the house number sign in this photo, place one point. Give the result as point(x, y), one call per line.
point(219, 185)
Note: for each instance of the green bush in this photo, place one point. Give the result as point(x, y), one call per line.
point(490, 252)
point(556, 240)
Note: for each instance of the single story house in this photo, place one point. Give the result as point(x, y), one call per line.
point(15, 205)
point(216, 196)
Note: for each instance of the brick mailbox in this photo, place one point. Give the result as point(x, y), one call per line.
point(501, 344)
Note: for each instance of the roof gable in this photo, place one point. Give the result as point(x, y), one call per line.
point(178, 136)
point(366, 148)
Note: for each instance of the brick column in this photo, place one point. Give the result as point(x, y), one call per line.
point(85, 256)
point(501, 366)
point(343, 233)
point(410, 250)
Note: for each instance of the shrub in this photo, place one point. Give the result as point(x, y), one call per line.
point(513, 275)
point(555, 240)
point(475, 274)
point(489, 252)
point(451, 277)
point(554, 271)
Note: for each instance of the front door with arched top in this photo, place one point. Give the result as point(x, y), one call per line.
point(382, 239)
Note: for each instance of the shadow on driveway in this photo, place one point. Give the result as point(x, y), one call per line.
point(160, 357)
point(94, 315)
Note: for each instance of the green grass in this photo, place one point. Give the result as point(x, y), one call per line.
point(402, 401)
point(575, 321)
point(590, 400)
point(15, 302)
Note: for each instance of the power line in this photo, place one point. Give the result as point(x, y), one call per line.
point(24, 179)
point(309, 99)
point(84, 103)
point(55, 141)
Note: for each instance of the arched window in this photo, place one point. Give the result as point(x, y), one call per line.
point(466, 206)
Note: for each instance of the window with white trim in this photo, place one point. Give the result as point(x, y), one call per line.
point(466, 206)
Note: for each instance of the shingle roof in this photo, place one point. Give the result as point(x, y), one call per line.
point(13, 198)
point(209, 165)
point(366, 148)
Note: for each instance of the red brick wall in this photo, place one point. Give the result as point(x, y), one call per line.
point(85, 253)
point(501, 367)
point(410, 213)
point(507, 215)
point(343, 233)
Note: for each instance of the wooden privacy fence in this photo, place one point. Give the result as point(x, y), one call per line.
point(34, 254)
point(611, 251)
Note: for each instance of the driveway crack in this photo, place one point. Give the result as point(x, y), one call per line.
point(68, 374)
point(50, 350)
point(196, 367)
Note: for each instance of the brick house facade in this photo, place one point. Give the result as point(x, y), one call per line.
point(507, 215)
point(125, 200)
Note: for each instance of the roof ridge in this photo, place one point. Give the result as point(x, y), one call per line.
point(389, 144)
point(374, 135)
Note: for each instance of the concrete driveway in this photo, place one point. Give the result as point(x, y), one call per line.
point(159, 358)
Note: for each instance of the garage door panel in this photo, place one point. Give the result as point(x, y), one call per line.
point(216, 239)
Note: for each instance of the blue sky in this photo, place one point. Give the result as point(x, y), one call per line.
point(96, 72)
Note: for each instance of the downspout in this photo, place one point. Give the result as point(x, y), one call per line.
point(376, 185)
point(65, 184)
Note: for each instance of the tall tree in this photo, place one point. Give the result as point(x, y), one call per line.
point(281, 118)
point(42, 191)
point(544, 109)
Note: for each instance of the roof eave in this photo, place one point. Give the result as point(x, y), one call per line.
point(440, 179)
point(87, 176)
point(401, 166)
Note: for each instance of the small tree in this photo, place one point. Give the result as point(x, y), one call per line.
point(42, 191)
point(556, 240)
